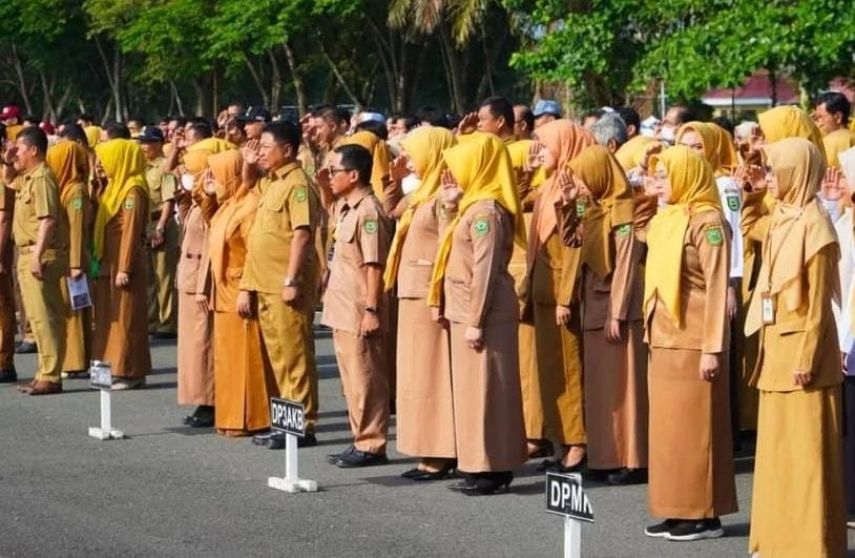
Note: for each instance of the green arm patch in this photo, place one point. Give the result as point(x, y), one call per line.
point(581, 206)
point(301, 193)
point(715, 237)
point(130, 203)
point(624, 229)
point(733, 203)
point(77, 204)
point(481, 226)
point(370, 226)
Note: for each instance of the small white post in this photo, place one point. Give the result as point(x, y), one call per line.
point(291, 463)
point(291, 482)
point(101, 378)
point(105, 410)
point(572, 538)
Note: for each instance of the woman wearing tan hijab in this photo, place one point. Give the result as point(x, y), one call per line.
point(473, 290)
point(423, 358)
point(798, 503)
point(69, 163)
point(552, 293)
point(685, 291)
point(241, 373)
point(615, 356)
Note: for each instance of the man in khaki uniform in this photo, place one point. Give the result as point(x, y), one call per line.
point(7, 292)
point(281, 272)
point(354, 305)
point(42, 258)
point(162, 232)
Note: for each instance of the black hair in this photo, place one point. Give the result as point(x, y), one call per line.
point(115, 130)
point(180, 120)
point(285, 132)
point(35, 137)
point(30, 119)
point(432, 115)
point(527, 117)
point(2, 133)
point(630, 117)
point(86, 117)
point(594, 113)
point(410, 121)
point(377, 128)
point(356, 157)
point(202, 130)
point(164, 120)
point(329, 112)
point(74, 132)
point(684, 113)
point(836, 102)
point(724, 122)
point(500, 107)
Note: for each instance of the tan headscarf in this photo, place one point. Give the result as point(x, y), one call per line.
point(799, 228)
point(614, 206)
point(630, 154)
point(789, 122)
point(565, 140)
point(236, 203)
point(424, 147)
point(69, 163)
point(380, 156)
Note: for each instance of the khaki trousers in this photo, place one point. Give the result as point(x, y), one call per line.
point(287, 335)
point(163, 261)
point(46, 310)
point(362, 367)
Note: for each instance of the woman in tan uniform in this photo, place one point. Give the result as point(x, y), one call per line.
point(424, 366)
point(121, 329)
point(685, 295)
point(195, 365)
point(241, 373)
point(798, 504)
point(69, 162)
point(474, 291)
point(552, 292)
point(614, 352)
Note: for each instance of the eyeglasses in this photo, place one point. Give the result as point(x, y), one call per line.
point(334, 171)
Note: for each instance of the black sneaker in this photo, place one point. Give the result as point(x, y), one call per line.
point(8, 376)
point(660, 530)
point(695, 530)
point(358, 458)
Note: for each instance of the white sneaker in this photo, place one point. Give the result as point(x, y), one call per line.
point(123, 384)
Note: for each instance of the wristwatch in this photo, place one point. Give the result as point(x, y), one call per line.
point(371, 309)
point(289, 282)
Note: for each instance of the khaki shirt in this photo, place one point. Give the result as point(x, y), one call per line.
point(287, 202)
point(362, 236)
point(704, 280)
point(36, 197)
point(161, 185)
point(419, 251)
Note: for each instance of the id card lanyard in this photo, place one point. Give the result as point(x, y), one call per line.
point(767, 306)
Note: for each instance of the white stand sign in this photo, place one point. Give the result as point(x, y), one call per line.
point(572, 538)
point(288, 416)
point(566, 497)
point(101, 378)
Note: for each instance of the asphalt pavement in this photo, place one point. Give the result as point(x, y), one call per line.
point(169, 490)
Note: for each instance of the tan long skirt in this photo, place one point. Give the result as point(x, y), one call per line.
point(425, 418)
point(488, 416)
point(559, 364)
point(121, 326)
point(691, 450)
point(195, 365)
point(244, 380)
point(616, 399)
point(530, 384)
point(78, 331)
point(797, 509)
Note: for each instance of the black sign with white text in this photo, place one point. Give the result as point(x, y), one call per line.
point(100, 375)
point(287, 416)
point(565, 497)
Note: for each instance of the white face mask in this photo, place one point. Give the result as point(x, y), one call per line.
point(832, 207)
point(187, 181)
point(667, 134)
point(410, 183)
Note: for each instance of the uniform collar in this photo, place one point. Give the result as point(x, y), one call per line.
point(358, 198)
point(284, 170)
point(35, 172)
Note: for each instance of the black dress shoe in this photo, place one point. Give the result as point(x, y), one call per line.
point(8, 376)
point(358, 458)
point(263, 438)
point(202, 417)
point(410, 473)
point(626, 477)
point(277, 441)
point(26, 347)
point(485, 484)
point(333, 458)
point(307, 441)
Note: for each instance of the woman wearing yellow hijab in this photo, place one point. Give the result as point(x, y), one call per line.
point(69, 163)
point(475, 293)
point(789, 122)
point(423, 360)
point(242, 376)
point(121, 322)
point(798, 502)
point(615, 357)
point(552, 295)
point(685, 295)
point(380, 182)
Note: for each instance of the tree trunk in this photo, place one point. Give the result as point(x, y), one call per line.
point(256, 78)
point(201, 96)
point(176, 98)
point(454, 74)
point(21, 82)
point(339, 78)
point(275, 82)
point(113, 73)
point(296, 79)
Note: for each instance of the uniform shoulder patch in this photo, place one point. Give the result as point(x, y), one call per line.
point(130, 202)
point(481, 225)
point(624, 229)
point(77, 204)
point(370, 226)
point(301, 193)
point(714, 235)
point(581, 206)
point(733, 202)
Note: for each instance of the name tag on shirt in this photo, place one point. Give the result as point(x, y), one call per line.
point(767, 308)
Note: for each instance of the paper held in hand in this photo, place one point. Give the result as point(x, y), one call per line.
point(78, 293)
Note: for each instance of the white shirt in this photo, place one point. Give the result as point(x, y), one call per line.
point(731, 204)
point(842, 316)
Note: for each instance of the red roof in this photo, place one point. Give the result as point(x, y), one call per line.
point(759, 86)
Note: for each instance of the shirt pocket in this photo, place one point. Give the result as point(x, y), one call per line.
point(271, 210)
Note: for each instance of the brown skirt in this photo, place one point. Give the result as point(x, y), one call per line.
point(616, 399)
point(195, 365)
point(798, 505)
point(559, 364)
point(78, 330)
point(242, 374)
point(121, 326)
point(488, 416)
point(425, 418)
point(530, 384)
point(691, 450)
